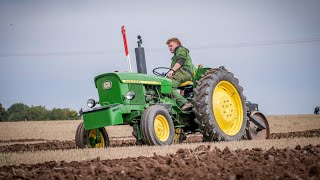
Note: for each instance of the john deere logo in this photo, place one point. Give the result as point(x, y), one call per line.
point(106, 85)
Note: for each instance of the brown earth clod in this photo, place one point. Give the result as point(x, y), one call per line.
point(298, 163)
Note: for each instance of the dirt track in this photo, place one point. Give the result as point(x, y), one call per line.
point(120, 142)
point(298, 163)
point(201, 163)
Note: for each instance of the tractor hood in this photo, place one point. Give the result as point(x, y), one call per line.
point(136, 78)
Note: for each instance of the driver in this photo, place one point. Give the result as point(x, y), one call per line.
point(181, 70)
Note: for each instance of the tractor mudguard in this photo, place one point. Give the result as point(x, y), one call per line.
point(102, 116)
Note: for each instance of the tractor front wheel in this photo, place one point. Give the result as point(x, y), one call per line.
point(157, 126)
point(88, 138)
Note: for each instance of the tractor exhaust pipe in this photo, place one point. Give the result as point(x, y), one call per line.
point(140, 57)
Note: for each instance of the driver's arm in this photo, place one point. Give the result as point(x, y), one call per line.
point(182, 54)
point(176, 67)
point(173, 69)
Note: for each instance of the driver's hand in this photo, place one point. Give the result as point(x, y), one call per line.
point(170, 74)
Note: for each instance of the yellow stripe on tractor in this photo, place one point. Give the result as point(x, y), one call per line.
point(141, 82)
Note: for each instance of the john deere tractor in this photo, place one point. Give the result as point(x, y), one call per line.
point(220, 111)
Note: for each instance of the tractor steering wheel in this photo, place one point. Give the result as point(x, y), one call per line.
point(162, 74)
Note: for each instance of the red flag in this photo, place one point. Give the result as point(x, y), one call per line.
point(123, 30)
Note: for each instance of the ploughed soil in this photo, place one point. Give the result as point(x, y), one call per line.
point(117, 142)
point(200, 163)
point(308, 133)
point(57, 145)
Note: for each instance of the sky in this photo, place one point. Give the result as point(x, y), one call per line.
point(50, 51)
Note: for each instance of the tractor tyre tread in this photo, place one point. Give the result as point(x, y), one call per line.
point(203, 108)
point(147, 125)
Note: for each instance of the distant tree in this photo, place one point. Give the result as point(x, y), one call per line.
point(18, 112)
point(57, 114)
point(38, 113)
point(21, 112)
point(3, 113)
point(71, 114)
point(62, 114)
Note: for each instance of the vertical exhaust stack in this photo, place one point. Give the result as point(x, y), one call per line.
point(140, 57)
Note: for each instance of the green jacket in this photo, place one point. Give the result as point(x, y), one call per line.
point(182, 54)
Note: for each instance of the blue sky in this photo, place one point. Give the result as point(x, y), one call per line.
point(50, 51)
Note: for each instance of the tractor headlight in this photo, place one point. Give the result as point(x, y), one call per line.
point(91, 103)
point(130, 95)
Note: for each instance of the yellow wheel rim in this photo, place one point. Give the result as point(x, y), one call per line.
point(161, 128)
point(93, 135)
point(227, 108)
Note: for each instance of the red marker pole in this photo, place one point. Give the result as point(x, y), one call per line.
point(123, 30)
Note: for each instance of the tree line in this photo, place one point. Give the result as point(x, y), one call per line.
point(22, 112)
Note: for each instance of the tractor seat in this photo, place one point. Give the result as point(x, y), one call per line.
point(187, 84)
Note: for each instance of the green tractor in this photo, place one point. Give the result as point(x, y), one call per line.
point(220, 111)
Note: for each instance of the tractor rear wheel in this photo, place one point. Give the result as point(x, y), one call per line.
point(88, 138)
point(254, 132)
point(219, 106)
point(157, 126)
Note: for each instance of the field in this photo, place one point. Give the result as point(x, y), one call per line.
point(46, 149)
